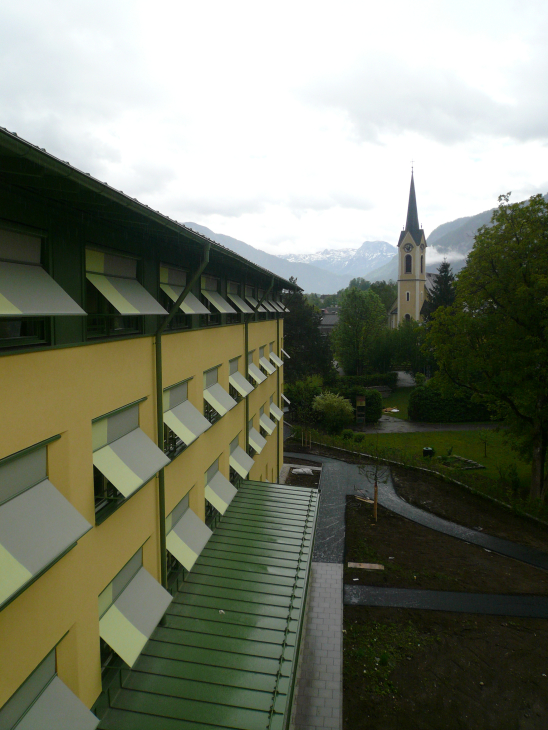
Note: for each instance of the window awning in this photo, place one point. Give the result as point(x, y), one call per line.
point(218, 302)
point(27, 290)
point(285, 353)
point(186, 421)
point(267, 424)
point(266, 365)
point(286, 399)
point(172, 282)
point(238, 381)
point(241, 462)
point(242, 306)
point(255, 373)
point(131, 619)
point(256, 440)
point(123, 453)
point(255, 304)
point(187, 538)
point(44, 701)
point(276, 305)
point(37, 524)
point(276, 412)
point(268, 306)
point(275, 359)
point(220, 492)
point(218, 398)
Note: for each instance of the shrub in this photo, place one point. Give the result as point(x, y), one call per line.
point(427, 404)
point(359, 437)
point(333, 411)
point(373, 406)
point(301, 394)
point(347, 433)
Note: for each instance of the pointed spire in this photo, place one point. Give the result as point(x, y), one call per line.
point(412, 223)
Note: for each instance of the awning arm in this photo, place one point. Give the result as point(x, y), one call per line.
point(160, 410)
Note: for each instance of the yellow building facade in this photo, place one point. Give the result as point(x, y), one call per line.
point(87, 277)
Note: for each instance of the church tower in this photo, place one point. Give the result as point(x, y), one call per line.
point(411, 263)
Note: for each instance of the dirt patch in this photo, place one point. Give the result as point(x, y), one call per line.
point(302, 480)
point(427, 670)
point(415, 556)
point(458, 505)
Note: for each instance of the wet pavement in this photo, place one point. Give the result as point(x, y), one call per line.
point(484, 603)
point(389, 424)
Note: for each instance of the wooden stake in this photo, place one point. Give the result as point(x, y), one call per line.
point(376, 499)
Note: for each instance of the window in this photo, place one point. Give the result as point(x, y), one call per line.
point(239, 387)
point(233, 293)
point(219, 492)
point(274, 358)
point(28, 295)
point(124, 459)
point(239, 461)
point(408, 317)
point(44, 701)
point(183, 423)
point(264, 363)
point(210, 287)
point(37, 524)
point(172, 284)
point(250, 297)
point(267, 425)
point(407, 296)
point(408, 263)
point(263, 311)
point(422, 264)
point(130, 607)
point(114, 298)
point(186, 534)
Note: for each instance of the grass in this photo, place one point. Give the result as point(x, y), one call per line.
point(398, 399)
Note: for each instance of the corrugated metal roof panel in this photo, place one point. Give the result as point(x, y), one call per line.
point(225, 657)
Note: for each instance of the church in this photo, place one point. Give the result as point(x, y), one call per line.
point(413, 281)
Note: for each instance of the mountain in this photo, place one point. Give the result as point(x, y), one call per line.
point(352, 261)
point(310, 278)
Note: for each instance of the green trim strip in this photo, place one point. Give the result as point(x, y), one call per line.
point(23, 452)
point(118, 410)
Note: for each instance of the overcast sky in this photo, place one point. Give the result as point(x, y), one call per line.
point(289, 125)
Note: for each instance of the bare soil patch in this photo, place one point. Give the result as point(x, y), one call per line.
point(302, 480)
point(431, 670)
point(456, 504)
point(415, 556)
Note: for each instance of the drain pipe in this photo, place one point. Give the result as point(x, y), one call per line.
point(160, 410)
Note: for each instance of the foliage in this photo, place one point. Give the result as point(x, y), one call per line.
point(310, 351)
point(388, 379)
point(333, 411)
point(387, 291)
point(493, 340)
point(442, 293)
point(301, 394)
point(361, 319)
point(314, 300)
point(373, 406)
point(429, 405)
point(359, 283)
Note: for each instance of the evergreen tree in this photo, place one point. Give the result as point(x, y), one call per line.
point(442, 293)
point(310, 351)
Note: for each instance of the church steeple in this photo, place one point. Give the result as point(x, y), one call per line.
point(412, 223)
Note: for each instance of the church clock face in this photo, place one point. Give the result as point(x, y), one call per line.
point(408, 247)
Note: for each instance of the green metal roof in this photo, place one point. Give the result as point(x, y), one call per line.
point(226, 655)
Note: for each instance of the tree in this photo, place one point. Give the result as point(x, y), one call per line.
point(314, 300)
point(334, 411)
point(301, 393)
point(310, 351)
point(362, 317)
point(493, 340)
point(359, 283)
point(442, 293)
point(387, 291)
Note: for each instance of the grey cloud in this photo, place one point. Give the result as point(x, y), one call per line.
point(386, 97)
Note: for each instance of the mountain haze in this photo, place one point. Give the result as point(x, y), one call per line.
point(310, 278)
point(352, 261)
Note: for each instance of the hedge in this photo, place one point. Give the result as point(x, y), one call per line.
point(428, 405)
point(388, 379)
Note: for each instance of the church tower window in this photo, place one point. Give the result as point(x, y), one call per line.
point(407, 297)
point(422, 264)
point(408, 263)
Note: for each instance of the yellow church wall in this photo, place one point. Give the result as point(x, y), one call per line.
point(59, 392)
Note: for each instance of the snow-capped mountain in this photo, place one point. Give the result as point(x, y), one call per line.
point(350, 261)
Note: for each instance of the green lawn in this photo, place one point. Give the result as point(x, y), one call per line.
point(398, 399)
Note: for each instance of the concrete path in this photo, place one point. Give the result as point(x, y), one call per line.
point(485, 603)
point(318, 691)
point(405, 379)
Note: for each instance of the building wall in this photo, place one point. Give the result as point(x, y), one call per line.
point(58, 392)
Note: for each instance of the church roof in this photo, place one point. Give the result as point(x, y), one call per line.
point(412, 225)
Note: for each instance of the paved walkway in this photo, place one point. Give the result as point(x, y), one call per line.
point(486, 603)
point(318, 692)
